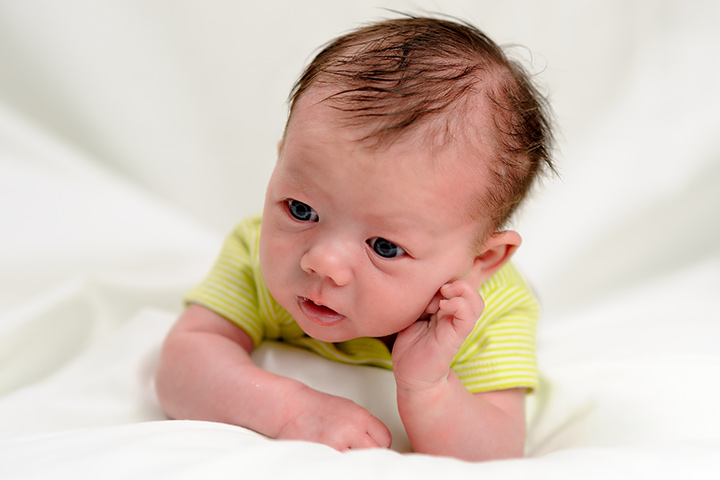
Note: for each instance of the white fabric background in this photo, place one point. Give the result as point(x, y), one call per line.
point(133, 134)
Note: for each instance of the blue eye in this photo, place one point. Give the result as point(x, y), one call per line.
point(385, 248)
point(301, 211)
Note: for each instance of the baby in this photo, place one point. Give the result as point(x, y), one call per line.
point(382, 242)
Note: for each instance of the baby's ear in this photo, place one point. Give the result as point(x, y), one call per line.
point(496, 251)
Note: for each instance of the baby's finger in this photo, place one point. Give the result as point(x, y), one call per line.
point(377, 436)
point(380, 435)
point(455, 322)
point(465, 290)
point(458, 288)
point(458, 310)
point(434, 304)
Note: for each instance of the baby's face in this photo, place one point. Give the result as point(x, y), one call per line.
point(356, 241)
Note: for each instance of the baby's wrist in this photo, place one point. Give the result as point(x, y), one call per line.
point(421, 386)
point(290, 400)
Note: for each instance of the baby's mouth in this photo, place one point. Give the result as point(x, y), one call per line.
point(317, 313)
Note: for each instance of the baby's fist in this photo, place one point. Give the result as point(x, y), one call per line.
point(424, 351)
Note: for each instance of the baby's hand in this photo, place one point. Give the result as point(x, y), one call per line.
point(335, 421)
point(423, 352)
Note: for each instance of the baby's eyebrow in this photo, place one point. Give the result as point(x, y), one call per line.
point(298, 180)
point(400, 228)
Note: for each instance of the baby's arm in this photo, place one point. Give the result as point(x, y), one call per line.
point(440, 415)
point(206, 373)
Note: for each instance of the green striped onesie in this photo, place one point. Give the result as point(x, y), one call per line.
point(498, 354)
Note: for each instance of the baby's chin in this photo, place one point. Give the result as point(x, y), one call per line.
point(335, 333)
point(331, 335)
point(328, 336)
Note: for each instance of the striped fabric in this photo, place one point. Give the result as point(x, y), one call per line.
point(498, 354)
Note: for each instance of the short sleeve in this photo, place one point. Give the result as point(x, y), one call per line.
point(500, 353)
point(230, 288)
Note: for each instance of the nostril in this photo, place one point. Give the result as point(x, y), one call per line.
point(306, 265)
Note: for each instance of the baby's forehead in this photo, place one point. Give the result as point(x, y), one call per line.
point(464, 125)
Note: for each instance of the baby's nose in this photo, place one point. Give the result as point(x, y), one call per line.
point(329, 259)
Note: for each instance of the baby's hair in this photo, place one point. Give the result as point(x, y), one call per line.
point(395, 75)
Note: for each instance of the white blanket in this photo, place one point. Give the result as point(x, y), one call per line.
point(134, 134)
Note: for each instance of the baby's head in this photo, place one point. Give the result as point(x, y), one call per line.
point(441, 83)
point(409, 143)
